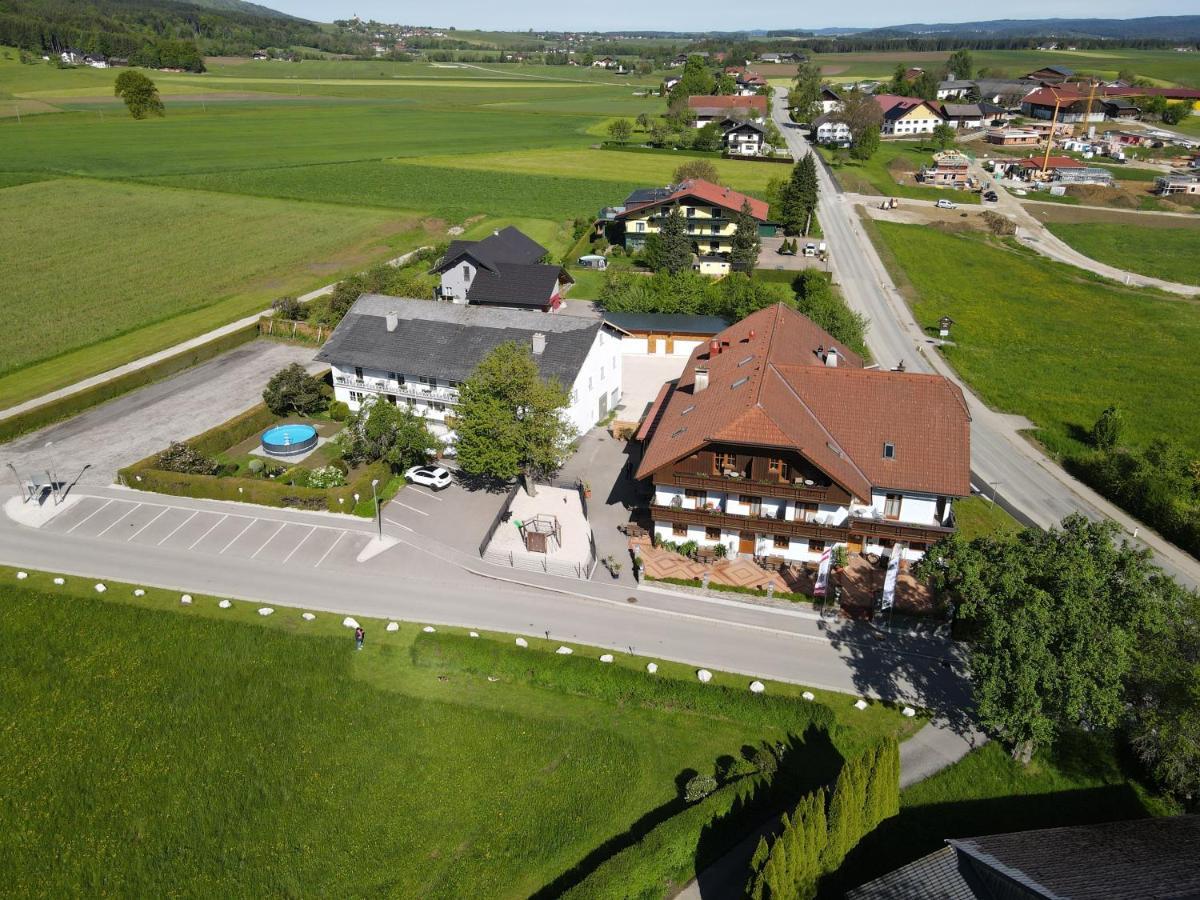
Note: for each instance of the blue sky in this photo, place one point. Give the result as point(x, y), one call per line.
point(702, 15)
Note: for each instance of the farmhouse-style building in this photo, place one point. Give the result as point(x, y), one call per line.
point(417, 353)
point(708, 210)
point(718, 108)
point(907, 115)
point(503, 269)
point(775, 441)
point(743, 138)
point(828, 130)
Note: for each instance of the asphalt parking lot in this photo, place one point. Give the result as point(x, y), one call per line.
point(253, 534)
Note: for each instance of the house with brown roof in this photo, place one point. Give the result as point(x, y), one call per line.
point(776, 441)
point(908, 115)
point(709, 212)
point(718, 108)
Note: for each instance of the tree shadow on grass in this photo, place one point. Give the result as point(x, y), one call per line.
point(804, 764)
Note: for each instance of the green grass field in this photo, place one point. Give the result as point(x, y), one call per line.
point(1172, 254)
point(1049, 342)
point(151, 746)
point(978, 517)
point(890, 173)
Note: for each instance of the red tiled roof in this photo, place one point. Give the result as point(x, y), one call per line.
point(652, 415)
point(1045, 96)
point(894, 106)
point(769, 386)
point(707, 192)
point(756, 102)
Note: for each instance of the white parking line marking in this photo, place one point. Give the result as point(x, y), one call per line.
point(118, 519)
point(397, 524)
point(311, 529)
point(148, 524)
point(420, 512)
point(177, 527)
point(268, 540)
point(207, 533)
point(423, 494)
point(249, 525)
point(88, 516)
point(330, 550)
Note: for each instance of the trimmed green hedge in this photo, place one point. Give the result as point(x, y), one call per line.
point(617, 684)
point(735, 589)
point(145, 476)
point(56, 410)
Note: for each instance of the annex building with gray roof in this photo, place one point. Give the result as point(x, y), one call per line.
point(503, 269)
point(417, 353)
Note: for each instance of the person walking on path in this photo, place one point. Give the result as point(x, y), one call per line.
point(359, 637)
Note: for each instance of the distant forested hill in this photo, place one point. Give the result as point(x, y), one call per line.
point(157, 28)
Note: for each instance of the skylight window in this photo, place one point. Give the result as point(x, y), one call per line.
point(687, 409)
point(677, 432)
point(749, 358)
point(834, 447)
point(737, 384)
point(889, 450)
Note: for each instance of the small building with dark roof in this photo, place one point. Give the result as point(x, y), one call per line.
point(503, 269)
point(417, 353)
point(663, 334)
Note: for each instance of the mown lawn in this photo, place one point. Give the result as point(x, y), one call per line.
point(1049, 342)
point(1172, 254)
point(128, 256)
point(151, 745)
point(889, 172)
point(979, 517)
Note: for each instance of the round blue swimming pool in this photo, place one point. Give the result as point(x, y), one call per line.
point(288, 440)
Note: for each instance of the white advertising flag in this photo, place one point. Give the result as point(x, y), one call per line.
point(889, 581)
point(823, 574)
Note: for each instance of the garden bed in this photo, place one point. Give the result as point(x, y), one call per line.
point(246, 476)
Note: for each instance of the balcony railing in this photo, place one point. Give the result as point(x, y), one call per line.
point(784, 490)
point(896, 531)
point(405, 389)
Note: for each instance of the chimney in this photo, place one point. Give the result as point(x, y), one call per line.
point(831, 358)
point(392, 322)
point(539, 343)
point(714, 348)
point(701, 380)
point(495, 232)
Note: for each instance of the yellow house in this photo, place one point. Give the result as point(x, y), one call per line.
point(708, 211)
point(907, 115)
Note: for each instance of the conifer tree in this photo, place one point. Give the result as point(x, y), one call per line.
point(676, 250)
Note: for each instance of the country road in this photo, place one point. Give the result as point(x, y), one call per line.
point(1003, 461)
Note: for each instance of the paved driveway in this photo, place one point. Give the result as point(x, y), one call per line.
point(132, 427)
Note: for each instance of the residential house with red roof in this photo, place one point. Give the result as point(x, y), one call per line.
point(709, 211)
point(776, 441)
point(908, 115)
point(718, 108)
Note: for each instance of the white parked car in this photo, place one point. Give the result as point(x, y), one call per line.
point(431, 476)
point(946, 204)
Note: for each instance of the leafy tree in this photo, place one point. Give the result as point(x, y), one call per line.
point(1108, 429)
point(924, 86)
point(1177, 112)
point(510, 420)
point(139, 93)
point(943, 135)
point(865, 145)
point(643, 121)
point(805, 95)
point(695, 80)
point(815, 298)
point(1057, 615)
point(744, 253)
point(707, 137)
point(1155, 105)
point(659, 132)
point(289, 308)
point(726, 84)
point(652, 252)
point(394, 434)
point(676, 246)
point(772, 136)
point(960, 65)
point(861, 112)
point(620, 130)
point(1164, 694)
point(699, 787)
point(293, 390)
point(703, 169)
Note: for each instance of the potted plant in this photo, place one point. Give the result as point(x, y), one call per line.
point(587, 489)
point(840, 558)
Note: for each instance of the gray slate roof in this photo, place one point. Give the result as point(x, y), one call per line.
point(447, 340)
point(512, 284)
point(968, 110)
point(665, 322)
point(955, 85)
point(509, 245)
point(1146, 859)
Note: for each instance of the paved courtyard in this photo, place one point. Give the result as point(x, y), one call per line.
point(129, 428)
point(641, 379)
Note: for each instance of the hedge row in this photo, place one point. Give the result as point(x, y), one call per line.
point(145, 476)
point(617, 684)
point(63, 408)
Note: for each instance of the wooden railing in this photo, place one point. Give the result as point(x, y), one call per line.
point(896, 531)
point(802, 493)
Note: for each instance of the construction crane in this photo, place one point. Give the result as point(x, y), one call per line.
point(1053, 128)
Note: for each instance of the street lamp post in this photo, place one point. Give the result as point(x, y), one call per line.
point(378, 510)
point(994, 484)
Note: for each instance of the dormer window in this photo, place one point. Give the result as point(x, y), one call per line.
point(889, 450)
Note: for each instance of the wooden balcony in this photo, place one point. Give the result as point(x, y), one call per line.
point(782, 490)
point(866, 528)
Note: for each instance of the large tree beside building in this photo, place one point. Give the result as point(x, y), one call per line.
point(675, 247)
point(510, 420)
point(798, 199)
point(694, 80)
point(960, 65)
point(1056, 619)
point(744, 254)
point(804, 98)
point(862, 114)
